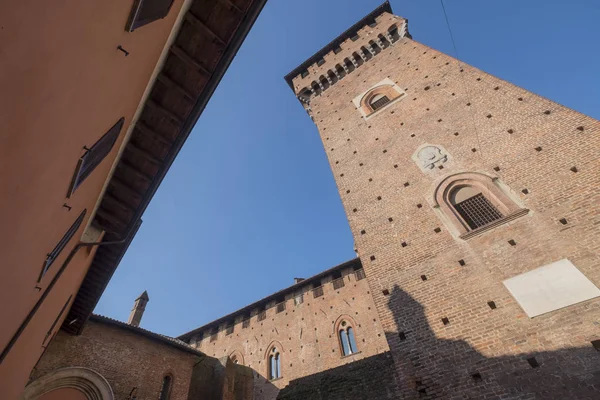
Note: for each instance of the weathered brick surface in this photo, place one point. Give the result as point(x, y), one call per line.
point(126, 359)
point(371, 378)
point(372, 158)
point(304, 333)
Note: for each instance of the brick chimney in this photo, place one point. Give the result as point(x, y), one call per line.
point(138, 309)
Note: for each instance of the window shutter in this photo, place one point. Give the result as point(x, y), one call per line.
point(146, 11)
point(61, 244)
point(94, 156)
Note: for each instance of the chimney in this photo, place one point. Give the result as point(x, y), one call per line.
point(138, 309)
point(298, 280)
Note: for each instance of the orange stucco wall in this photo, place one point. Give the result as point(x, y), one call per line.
point(63, 84)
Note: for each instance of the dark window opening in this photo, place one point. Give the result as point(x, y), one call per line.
point(304, 74)
point(337, 50)
point(50, 257)
point(355, 37)
point(246, 323)
point(393, 31)
point(94, 156)
point(214, 335)
point(262, 315)
point(359, 274)
point(320, 62)
point(165, 389)
point(379, 101)
point(281, 306)
point(318, 291)
point(349, 66)
point(229, 328)
point(358, 59)
point(476, 210)
point(146, 11)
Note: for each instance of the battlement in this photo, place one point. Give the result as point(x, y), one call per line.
point(357, 45)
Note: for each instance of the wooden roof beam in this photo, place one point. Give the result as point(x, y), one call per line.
point(192, 19)
point(164, 111)
point(186, 58)
point(146, 130)
point(143, 153)
point(168, 82)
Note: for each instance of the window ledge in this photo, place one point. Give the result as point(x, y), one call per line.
point(492, 225)
point(350, 355)
point(275, 379)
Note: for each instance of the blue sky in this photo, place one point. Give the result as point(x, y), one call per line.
point(250, 203)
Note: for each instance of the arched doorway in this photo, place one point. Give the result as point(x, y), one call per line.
point(73, 383)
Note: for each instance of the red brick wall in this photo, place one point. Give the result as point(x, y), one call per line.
point(126, 359)
point(304, 333)
point(371, 161)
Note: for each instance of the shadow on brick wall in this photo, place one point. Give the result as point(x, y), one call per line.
point(427, 367)
point(434, 368)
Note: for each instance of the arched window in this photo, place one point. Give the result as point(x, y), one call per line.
point(475, 202)
point(165, 389)
point(347, 339)
point(378, 97)
point(274, 364)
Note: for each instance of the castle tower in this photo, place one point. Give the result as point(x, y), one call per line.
point(472, 202)
point(138, 309)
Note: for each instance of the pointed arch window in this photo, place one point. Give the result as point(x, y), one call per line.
point(274, 364)
point(165, 389)
point(347, 339)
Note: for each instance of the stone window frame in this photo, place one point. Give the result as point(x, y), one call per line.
point(337, 327)
point(491, 188)
point(166, 395)
point(387, 88)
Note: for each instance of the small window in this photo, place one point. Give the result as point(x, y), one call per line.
point(165, 389)
point(281, 307)
point(50, 257)
point(473, 207)
point(304, 74)
point(359, 274)
point(146, 11)
point(94, 156)
point(347, 339)
point(373, 24)
point(318, 291)
point(320, 62)
point(299, 299)
point(379, 101)
point(355, 37)
point(229, 329)
point(246, 323)
point(262, 315)
point(214, 335)
point(337, 50)
point(274, 364)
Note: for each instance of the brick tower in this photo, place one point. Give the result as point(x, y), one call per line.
point(474, 207)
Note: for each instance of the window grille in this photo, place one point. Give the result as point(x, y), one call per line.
point(281, 307)
point(262, 315)
point(50, 257)
point(246, 323)
point(477, 211)
point(360, 274)
point(94, 156)
point(229, 329)
point(146, 11)
point(338, 283)
point(318, 292)
point(377, 104)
